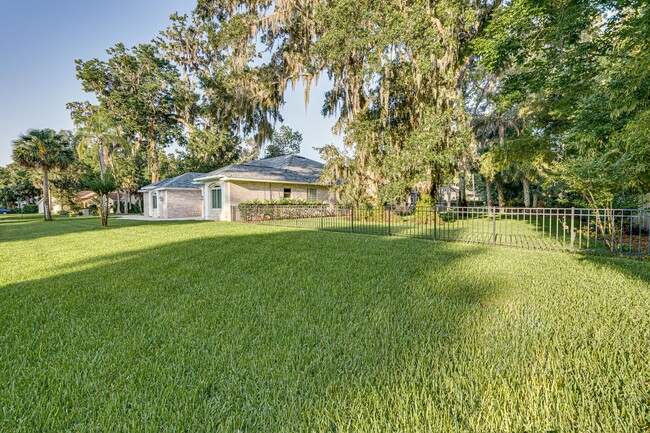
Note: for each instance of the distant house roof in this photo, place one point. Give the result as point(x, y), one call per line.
point(288, 168)
point(86, 195)
point(184, 181)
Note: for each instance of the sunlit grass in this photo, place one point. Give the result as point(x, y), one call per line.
point(200, 326)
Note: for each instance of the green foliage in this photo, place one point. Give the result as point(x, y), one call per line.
point(578, 73)
point(138, 90)
point(206, 150)
point(43, 149)
point(96, 184)
point(135, 209)
point(396, 72)
point(285, 141)
point(29, 208)
point(17, 184)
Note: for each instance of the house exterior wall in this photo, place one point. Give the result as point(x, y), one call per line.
point(247, 191)
point(55, 207)
point(181, 203)
point(146, 204)
point(173, 203)
point(236, 192)
point(219, 214)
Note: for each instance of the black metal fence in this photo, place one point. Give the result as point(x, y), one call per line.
point(613, 231)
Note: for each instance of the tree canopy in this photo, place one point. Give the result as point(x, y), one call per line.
point(541, 102)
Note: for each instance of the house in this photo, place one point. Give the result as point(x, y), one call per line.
point(216, 195)
point(178, 197)
point(447, 194)
point(289, 176)
point(55, 205)
point(82, 199)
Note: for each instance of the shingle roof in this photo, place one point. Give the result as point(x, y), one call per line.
point(287, 168)
point(182, 181)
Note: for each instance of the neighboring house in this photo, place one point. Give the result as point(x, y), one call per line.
point(289, 176)
point(55, 205)
point(84, 199)
point(449, 193)
point(446, 194)
point(177, 197)
point(87, 198)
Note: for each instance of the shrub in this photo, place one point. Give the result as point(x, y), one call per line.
point(424, 211)
point(281, 201)
point(30, 208)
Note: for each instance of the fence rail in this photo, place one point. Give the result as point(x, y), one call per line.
point(613, 231)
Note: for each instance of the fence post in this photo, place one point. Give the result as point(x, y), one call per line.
point(573, 234)
point(494, 227)
point(352, 219)
point(435, 221)
point(322, 208)
point(388, 220)
point(639, 215)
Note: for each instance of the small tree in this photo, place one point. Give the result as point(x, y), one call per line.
point(102, 185)
point(43, 149)
point(285, 141)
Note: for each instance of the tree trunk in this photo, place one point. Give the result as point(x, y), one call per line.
point(153, 152)
point(448, 197)
point(535, 199)
point(46, 196)
point(488, 192)
point(127, 201)
point(102, 167)
point(502, 200)
point(118, 210)
point(155, 176)
point(104, 210)
point(433, 192)
point(462, 198)
point(526, 185)
point(473, 188)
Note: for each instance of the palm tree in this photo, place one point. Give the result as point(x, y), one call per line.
point(101, 135)
point(43, 149)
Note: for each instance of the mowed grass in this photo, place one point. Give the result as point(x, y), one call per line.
point(204, 326)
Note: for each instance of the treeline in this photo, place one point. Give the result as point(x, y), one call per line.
point(548, 98)
point(538, 102)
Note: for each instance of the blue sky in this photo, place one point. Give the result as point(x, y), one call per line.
point(40, 39)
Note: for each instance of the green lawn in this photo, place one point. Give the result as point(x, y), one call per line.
point(204, 326)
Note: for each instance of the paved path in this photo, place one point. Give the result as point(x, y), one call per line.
point(144, 218)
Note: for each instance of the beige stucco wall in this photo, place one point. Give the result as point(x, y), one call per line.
point(248, 191)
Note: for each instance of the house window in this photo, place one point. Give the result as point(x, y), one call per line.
point(311, 194)
point(287, 193)
point(154, 201)
point(216, 198)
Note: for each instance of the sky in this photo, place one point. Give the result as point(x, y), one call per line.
point(40, 40)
